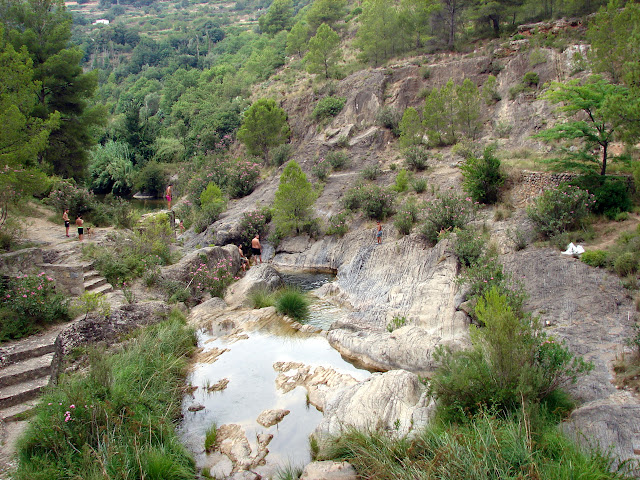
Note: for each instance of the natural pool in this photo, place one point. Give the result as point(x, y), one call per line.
point(248, 365)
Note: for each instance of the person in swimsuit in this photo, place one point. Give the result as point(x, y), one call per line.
point(244, 261)
point(79, 224)
point(256, 248)
point(67, 223)
point(168, 195)
point(379, 233)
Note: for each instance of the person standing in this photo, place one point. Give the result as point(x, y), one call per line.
point(67, 223)
point(167, 195)
point(256, 248)
point(79, 224)
point(244, 261)
point(379, 233)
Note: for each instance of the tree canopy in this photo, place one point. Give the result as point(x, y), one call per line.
point(264, 126)
point(294, 200)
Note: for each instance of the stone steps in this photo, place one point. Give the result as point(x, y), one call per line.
point(25, 368)
point(94, 282)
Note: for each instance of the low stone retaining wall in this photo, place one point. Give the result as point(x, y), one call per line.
point(21, 262)
point(69, 278)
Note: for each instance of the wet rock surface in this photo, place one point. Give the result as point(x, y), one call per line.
point(328, 470)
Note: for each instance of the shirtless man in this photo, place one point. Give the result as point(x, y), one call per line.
point(79, 224)
point(67, 223)
point(256, 248)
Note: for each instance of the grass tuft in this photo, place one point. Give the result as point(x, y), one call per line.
point(292, 302)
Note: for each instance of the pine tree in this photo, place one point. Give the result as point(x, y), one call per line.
point(294, 200)
point(323, 51)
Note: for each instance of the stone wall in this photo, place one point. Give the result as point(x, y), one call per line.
point(21, 262)
point(69, 278)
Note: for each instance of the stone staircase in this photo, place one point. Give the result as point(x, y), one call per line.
point(25, 368)
point(93, 282)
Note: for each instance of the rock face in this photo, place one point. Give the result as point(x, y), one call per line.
point(269, 418)
point(329, 471)
point(593, 313)
point(261, 276)
point(395, 401)
point(232, 442)
point(181, 271)
point(95, 328)
point(400, 278)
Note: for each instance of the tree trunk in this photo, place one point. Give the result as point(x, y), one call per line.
point(603, 171)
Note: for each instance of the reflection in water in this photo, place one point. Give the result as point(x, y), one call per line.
point(249, 367)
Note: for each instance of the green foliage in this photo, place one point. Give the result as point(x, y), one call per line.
point(512, 362)
point(487, 446)
point(294, 200)
point(278, 17)
point(410, 128)
point(338, 223)
point(560, 209)
point(371, 172)
point(596, 98)
point(625, 264)
point(264, 126)
point(281, 154)
point(338, 159)
point(470, 246)
point(111, 169)
point(326, 12)
point(211, 194)
point(293, 303)
point(482, 177)
point(90, 302)
point(406, 217)
point(73, 432)
point(416, 158)
point(372, 200)
point(324, 52)
point(531, 79)
point(395, 323)
point(23, 135)
point(252, 223)
point(402, 181)
point(297, 39)
point(321, 169)
point(210, 438)
point(29, 303)
point(261, 298)
point(419, 185)
point(389, 117)
point(152, 179)
point(213, 279)
point(611, 194)
point(328, 107)
point(446, 213)
point(468, 109)
point(490, 90)
point(439, 115)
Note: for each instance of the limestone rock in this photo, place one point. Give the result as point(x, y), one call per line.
point(232, 442)
point(268, 418)
point(395, 402)
point(320, 382)
point(329, 470)
point(196, 407)
point(262, 276)
point(181, 271)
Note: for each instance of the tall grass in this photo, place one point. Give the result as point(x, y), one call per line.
point(292, 302)
point(261, 298)
point(488, 447)
point(116, 422)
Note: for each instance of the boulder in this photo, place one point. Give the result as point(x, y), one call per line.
point(182, 271)
point(329, 470)
point(262, 276)
point(395, 402)
point(269, 418)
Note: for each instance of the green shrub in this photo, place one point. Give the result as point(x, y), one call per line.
point(595, 258)
point(425, 72)
point(243, 178)
point(117, 417)
point(281, 154)
point(482, 177)
point(445, 213)
point(29, 303)
point(402, 182)
point(252, 223)
point(389, 117)
point(211, 194)
point(372, 200)
point(512, 362)
point(292, 302)
point(152, 179)
point(611, 194)
point(261, 298)
point(406, 217)
point(338, 223)
point(371, 172)
point(531, 79)
point(625, 264)
point(416, 157)
point(207, 215)
point(321, 169)
point(470, 246)
point(328, 107)
point(395, 323)
point(213, 279)
point(560, 209)
point(338, 160)
point(419, 185)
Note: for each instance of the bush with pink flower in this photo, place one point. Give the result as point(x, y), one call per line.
point(213, 279)
point(28, 303)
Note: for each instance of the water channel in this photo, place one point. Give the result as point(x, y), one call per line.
point(248, 365)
